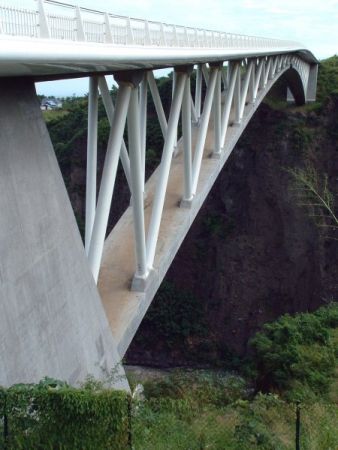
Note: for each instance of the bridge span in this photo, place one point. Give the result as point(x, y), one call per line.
point(54, 319)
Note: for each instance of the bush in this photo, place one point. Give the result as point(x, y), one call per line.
point(57, 416)
point(296, 351)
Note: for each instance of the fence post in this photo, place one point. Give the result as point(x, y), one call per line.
point(298, 426)
point(43, 21)
point(130, 435)
point(5, 431)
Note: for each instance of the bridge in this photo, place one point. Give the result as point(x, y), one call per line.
point(68, 309)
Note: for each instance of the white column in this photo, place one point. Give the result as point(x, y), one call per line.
point(245, 89)
point(202, 132)
point(228, 101)
point(164, 169)
point(109, 107)
point(108, 179)
point(259, 76)
point(137, 182)
point(186, 128)
point(143, 119)
point(157, 103)
point(198, 90)
point(237, 97)
point(217, 113)
point(91, 159)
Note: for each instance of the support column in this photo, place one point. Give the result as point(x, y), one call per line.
point(217, 113)
point(202, 132)
point(143, 124)
point(186, 128)
point(109, 176)
point(91, 159)
point(228, 101)
point(237, 98)
point(164, 168)
point(198, 90)
point(137, 183)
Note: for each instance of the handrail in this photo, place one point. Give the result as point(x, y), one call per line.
point(58, 20)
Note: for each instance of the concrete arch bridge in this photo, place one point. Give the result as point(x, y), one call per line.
point(66, 310)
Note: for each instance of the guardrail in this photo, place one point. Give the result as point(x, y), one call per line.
point(55, 20)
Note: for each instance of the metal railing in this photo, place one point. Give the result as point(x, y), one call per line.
point(56, 20)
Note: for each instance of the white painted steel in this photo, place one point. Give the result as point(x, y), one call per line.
point(108, 179)
point(91, 159)
point(137, 182)
point(143, 122)
point(169, 143)
point(217, 113)
point(245, 90)
point(198, 90)
point(186, 128)
point(157, 103)
point(202, 132)
point(109, 107)
point(228, 101)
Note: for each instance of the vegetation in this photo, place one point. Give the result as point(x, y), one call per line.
point(181, 420)
point(314, 195)
point(53, 415)
point(297, 355)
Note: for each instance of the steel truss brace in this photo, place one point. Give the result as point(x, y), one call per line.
point(131, 108)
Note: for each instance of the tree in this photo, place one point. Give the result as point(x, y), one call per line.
point(313, 194)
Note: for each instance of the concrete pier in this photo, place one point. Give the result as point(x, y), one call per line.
point(52, 322)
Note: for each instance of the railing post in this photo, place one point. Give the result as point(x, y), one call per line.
point(43, 21)
point(130, 35)
point(108, 37)
point(80, 33)
point(147, 33)
point(164, 41)
point(91, 159)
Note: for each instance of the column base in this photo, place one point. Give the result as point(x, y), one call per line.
point(186, 203)
point(141, 284)
point(216, 155)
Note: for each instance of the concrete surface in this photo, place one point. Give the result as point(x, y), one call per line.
point(51, 318)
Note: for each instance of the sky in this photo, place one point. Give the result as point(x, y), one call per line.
point(313, 23)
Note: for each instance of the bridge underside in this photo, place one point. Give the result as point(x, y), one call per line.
point(126, 307)
point(54, 322)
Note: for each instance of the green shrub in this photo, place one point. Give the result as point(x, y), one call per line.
point(57, 416)
point(294, 351)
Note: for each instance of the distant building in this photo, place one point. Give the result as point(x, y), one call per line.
point(48, 104)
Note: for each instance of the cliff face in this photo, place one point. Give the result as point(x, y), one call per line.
point(253, 253)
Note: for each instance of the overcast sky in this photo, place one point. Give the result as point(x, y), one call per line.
point(312, 23)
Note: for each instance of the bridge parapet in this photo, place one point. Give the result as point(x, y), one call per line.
point(56, 20)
